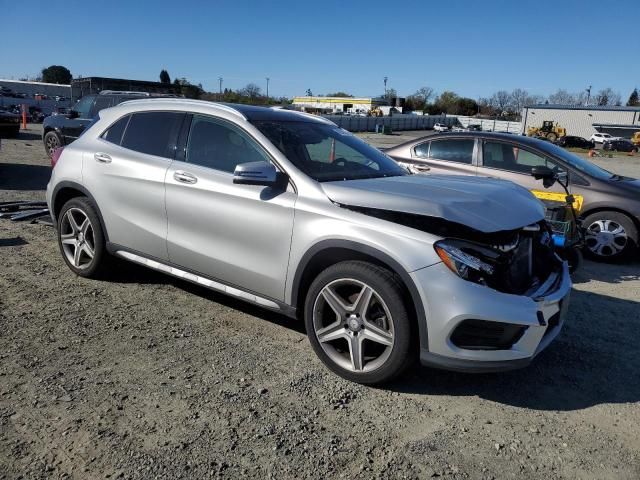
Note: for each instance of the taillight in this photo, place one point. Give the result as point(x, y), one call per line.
point(56, 156)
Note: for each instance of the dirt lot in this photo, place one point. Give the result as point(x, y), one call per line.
point(145, 376)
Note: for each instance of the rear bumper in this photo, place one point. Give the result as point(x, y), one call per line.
point(449, 301)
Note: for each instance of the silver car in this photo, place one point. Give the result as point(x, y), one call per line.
point(287, 211)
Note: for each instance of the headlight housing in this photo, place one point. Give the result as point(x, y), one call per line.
point(463, 264)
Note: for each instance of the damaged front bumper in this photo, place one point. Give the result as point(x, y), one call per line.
point(510, 330)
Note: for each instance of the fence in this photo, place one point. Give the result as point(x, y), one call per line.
point(395, 122)
point(492, 125)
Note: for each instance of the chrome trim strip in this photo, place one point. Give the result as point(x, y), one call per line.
point(191, 277)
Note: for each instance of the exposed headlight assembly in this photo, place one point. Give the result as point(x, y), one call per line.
point(463, 264)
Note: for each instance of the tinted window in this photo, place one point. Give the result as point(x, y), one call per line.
point(115, 131)
point(218, 145)
point(153, 133)
point(512, 158)
point(83, 106)
point(460, 151)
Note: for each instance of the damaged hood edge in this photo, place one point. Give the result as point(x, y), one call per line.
point(484, 204)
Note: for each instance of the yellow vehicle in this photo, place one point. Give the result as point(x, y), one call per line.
point(375, 112)
point(548, 130)
point(635, 138)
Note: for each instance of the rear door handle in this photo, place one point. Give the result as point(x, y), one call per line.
point(422, 168)
point(102, 157)
point(184, 177)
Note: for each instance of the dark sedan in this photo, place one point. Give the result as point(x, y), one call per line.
point(569, 141)
point(609, 203)
point(620, 146)
point(9, 124)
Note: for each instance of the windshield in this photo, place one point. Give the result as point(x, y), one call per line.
point(579, 163)
point(326, 152)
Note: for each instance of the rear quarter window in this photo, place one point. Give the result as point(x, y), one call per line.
point(114, 133)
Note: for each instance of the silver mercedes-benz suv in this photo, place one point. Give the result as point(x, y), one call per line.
point(290, 212)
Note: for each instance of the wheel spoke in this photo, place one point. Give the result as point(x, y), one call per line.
point(85, 226)
point(362, 302)
point(356, 352)
point(72, 222)
point(335, 302)
point(77, 253)
point(375, 334)
point(332, 332)
point(87, 250)
point(68, 239)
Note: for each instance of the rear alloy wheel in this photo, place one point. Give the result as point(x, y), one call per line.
point(609, 235)
point(51, 143)
point(357, 322)
point(80, 237)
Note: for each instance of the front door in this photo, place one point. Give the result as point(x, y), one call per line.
point(237, 234)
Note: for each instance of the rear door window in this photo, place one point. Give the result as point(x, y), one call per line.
point(454, 150)
point(153, 133)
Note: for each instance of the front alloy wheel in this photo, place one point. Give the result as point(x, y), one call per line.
point(77, 238)
point(357, 322)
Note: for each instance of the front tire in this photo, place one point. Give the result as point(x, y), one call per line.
point(357, 322)
point(81, 239)
point(609, 236)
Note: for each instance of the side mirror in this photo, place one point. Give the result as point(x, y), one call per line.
point(73, 114)
point(545, 174)
point(256, 173)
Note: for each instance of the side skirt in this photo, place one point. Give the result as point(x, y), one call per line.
point(198, 279)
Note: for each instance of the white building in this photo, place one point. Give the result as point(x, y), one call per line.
point(584, 121)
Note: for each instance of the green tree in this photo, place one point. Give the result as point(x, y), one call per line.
point(633, 101)
point(164, 76)
point(339, 94)
point(188, 89)
point(309, 92)
point(56, 74)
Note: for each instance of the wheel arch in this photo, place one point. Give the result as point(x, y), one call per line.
point(329, 252)
point(65, 191)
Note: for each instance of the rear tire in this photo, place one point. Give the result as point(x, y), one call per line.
point(81, 239)
point(52, 141)
point(609, 236)
point(358, 323)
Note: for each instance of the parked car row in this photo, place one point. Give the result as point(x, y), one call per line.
point(8, 93)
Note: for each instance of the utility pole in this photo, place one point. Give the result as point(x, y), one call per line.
point(385, 86)
point(220, 82)
point(588, 95)
point(267, 88)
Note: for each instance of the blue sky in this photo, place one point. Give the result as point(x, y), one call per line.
point(471, 47)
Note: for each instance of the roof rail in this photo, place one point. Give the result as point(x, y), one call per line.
point(124, 92)
point(187, 101)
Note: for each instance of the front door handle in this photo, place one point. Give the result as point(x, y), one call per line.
point(184, 177)
point(422, 168)
point(102, 157)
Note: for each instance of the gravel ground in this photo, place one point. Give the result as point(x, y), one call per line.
point(145, 376)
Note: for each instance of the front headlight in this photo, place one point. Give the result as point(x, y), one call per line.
point(466, 266)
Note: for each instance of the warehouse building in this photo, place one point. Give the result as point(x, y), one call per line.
point(353, 105)
point(44, 96)
point(584, 121)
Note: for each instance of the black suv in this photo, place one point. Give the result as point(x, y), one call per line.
point(60, 130)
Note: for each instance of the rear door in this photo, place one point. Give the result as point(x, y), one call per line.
point(126, 173)
point(450, 156)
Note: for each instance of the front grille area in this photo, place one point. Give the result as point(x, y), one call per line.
point(552, 323)
point(484, 335)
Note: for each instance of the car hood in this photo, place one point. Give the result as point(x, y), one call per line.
point(487, 205)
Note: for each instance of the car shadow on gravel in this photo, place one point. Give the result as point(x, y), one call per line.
point(608, 272)
point(594, 361)
point(20, 176)
point(127, 272)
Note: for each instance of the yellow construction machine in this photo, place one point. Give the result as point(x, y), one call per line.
point(548, 130)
